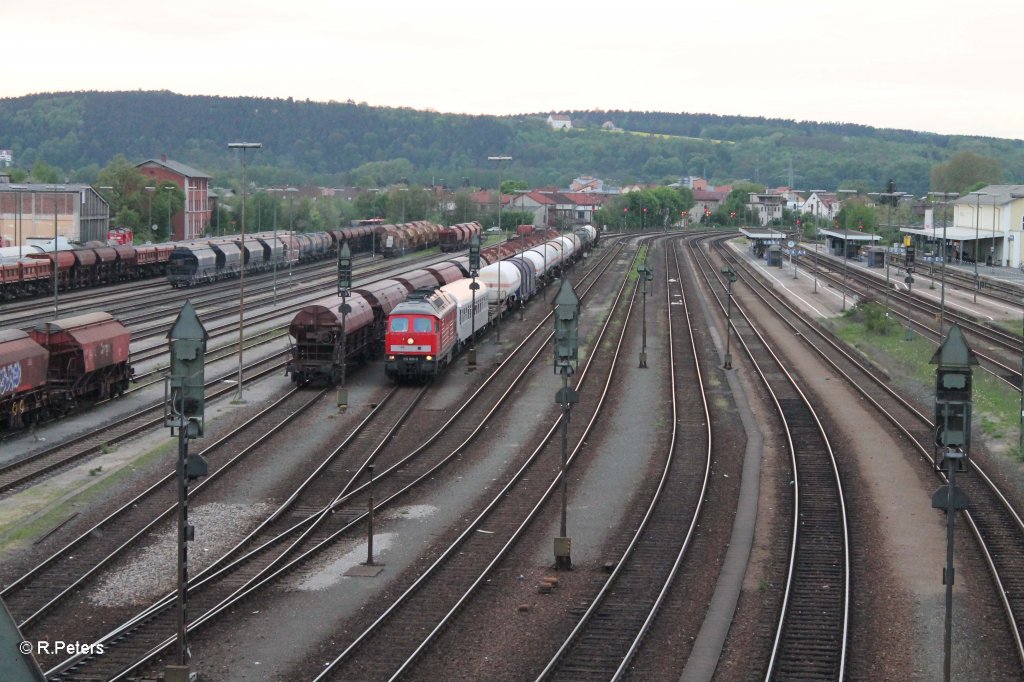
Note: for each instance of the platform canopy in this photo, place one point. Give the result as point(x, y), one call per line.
point(762, 233)
point(957, 234)
point(852, 235)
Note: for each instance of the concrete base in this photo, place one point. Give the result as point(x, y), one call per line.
point(563, 551)
point(364, 571)
point(179, 673)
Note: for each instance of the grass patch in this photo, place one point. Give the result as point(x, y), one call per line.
point(26, 528)
point(996, 406)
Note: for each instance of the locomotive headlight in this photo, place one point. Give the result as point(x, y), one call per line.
point(429, 358)
point(391, 357)
point(409, 340)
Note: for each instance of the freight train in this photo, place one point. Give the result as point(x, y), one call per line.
point(426, 332)
point(30, 271)
point(317, 352)
point(88, 266)
point(209, 260)
point(48, 371)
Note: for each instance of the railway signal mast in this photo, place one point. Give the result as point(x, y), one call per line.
point(184, 402)
point(344, 287)
point(567, 315)
point(645, 274)
point(474, 270)
point(953, 402)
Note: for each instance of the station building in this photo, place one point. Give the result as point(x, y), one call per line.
point(989, 223)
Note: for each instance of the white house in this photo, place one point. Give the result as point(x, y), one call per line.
point(822, 205)
point(559, 121)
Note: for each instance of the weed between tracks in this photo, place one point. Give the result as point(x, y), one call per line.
point(996, 405)
point(34, 511)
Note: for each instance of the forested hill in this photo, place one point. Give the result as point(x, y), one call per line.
point(349, 143)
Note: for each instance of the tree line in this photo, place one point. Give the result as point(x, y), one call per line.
point(347, 143)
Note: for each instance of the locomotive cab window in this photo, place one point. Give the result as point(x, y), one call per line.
point(421, 324)
point(399, 324)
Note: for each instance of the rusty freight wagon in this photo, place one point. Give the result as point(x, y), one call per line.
point(23, 364)
point(89, 359)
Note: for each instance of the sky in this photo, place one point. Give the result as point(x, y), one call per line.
point(933, 66)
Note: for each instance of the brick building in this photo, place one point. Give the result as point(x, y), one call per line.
point(193, 219)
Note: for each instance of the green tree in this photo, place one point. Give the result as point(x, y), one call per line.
point(127, 189)
point(510, 186)
point(372, 204)
point(963, 170)
point(381, 173)
point(168, 199)
point(43, 173)
point(858, 214)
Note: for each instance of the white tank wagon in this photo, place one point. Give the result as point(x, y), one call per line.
point(570, 246)
point(587, 235)
point(503, 282)
point(549, 256)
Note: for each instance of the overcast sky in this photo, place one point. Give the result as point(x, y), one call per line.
point(933, 66)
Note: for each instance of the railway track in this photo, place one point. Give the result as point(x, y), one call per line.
point(613, 627)
point(811, 637)
point(390, 646)
point(300, 542)
point(18, 474)
point(998, 349)
point(36, 598)
point(995, 523)
point(305, 517)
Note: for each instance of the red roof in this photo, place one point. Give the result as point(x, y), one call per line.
point(706, 195)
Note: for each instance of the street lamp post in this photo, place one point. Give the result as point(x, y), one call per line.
point(56, 311)
point(273, 254)
point(241, 274)
point(942, 272)
point(149, 193)
point(817, 233)
point(891, 199)
point(499, 159)
point(18, 220)
point(170, 205)
point(992, 246)
point(846, 249)
point(291, 229)
point(977, 211)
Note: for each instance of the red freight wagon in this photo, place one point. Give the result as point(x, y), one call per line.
point(22, 378)
point(88, 357)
